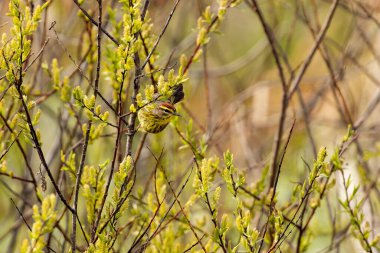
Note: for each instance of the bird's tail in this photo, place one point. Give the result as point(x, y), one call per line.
point(177, 95)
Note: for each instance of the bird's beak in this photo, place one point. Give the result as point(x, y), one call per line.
point(176, 114)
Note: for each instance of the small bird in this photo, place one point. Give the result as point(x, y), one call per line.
point(154, 117)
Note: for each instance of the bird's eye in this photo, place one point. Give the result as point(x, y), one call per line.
point(167, 110)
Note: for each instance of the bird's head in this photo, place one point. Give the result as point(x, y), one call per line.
point(167, 109)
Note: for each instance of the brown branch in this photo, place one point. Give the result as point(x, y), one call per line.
point(87, 136)
point(38, 146)
point(315, 47)
point(96, 23)
point(161, 34)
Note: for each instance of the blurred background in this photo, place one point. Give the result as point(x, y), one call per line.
point(233, 98)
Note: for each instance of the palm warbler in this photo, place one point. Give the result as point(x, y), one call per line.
point(155, 116)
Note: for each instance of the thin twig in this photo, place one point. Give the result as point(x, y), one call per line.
point(96, 23)
point(87, 136)
point(315, 47)
point(38, 55)
point(161, 34)
point(21, 215)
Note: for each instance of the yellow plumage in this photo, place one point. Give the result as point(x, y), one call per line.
point(153, 119)
point(155, 116)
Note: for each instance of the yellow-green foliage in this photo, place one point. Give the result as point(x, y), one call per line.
point(16, 49)
point(188, 196)
point(93, 181)
point(44, 222)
